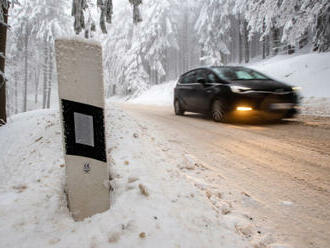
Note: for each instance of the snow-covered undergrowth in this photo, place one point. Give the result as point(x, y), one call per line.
point(153, 205)
point(309, 71)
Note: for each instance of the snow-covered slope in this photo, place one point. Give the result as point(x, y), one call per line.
point(153, 205)
point(161, 94)
point(309, 71)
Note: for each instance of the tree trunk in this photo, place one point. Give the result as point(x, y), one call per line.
point(36, 78)
point(26, 43)
point(264, 47)
point(240, 40)
point(291, 49)
point(246, 42)
point(264, 40)
point(16, 92)
point(50, 77)
point(45, 67)
point(3, 38)
point(276, 40)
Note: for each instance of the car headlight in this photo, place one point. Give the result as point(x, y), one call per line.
point(239, 89)
point(296, 88)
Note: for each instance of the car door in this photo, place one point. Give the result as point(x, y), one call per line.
point(202, 91)
point(185, 89)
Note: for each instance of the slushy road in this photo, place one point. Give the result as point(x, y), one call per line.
point(282, 168)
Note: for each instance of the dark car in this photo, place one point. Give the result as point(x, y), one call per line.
point(239, 92)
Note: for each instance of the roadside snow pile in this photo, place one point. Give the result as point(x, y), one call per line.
point(153, 205)
point(319, 106)
point(161, 94)
point(309, 71)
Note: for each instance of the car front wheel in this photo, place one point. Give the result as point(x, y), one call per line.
point(218, 111)
point(177, 108)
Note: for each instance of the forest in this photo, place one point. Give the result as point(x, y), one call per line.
point(151, 42)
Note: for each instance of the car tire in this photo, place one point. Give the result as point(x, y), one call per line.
point(218, 111)
point(177, 108)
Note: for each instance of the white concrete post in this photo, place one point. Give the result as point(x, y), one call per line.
point(81, 93)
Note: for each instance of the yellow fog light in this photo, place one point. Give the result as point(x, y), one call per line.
point(243, 108)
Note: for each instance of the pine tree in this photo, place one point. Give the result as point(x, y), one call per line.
point(106, 7)
point(142, 50)
point(36, 25)
point(212, 24)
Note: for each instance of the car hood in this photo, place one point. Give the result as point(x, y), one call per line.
point(263, 85)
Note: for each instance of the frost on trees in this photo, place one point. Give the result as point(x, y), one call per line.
point(293, 23)
point(322, 36)
point(106, 7)
point(34, 25)
point(213, 46)
point(106, 13)
point(4, 4)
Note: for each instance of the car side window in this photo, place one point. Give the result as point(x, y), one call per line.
point(212, 78)
point(184, 79)
point(201, 74)
point(189, 78)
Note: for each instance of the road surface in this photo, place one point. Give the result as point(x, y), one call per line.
point(277, 174)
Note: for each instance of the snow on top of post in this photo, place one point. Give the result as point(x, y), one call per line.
point(80, 40)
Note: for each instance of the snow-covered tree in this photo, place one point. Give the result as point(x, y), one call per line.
point(212, 25)
point(175, 36)
point(292, 20)
point(79, 7)
point(141, 50)
point(34, 26)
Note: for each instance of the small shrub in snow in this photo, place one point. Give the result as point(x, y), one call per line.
point(132, 179)
point(143, 190)
point(20, 188)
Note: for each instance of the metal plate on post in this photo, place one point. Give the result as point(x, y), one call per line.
point(81, 93)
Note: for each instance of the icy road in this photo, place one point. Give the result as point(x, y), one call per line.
point(277, 174)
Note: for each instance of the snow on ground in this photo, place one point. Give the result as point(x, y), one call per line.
point(309, 71)
point(319, 106)
point(161, 94)
point(173, 212)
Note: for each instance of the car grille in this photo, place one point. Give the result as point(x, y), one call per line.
point(274, 98)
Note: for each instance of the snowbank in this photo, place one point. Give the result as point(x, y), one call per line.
point(309, 71)
point(157, 95)
point(153, 205)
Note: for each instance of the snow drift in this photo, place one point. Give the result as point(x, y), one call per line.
point(153, 205)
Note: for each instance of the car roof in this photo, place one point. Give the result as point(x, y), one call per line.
point(210, 68)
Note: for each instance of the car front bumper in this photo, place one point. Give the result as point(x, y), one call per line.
point(264, 105)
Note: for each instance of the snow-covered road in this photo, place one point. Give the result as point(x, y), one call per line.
point(278, 175)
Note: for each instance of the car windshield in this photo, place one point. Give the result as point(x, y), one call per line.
point(233, 74)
